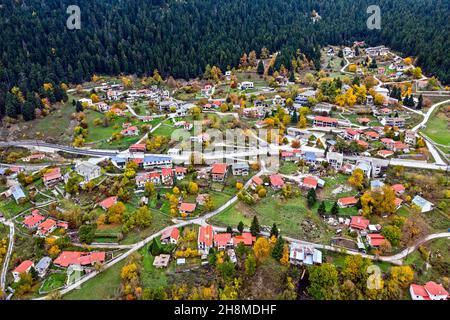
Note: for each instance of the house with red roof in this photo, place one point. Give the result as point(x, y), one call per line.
point(33, 220)
point(130, 131)
point(138, 147)
point(359, 223)
point(187, 208)
point(246, 238)
point(351, 134)
point(320, 121)
point(430, 291)
point(180, 172)
point(24, 267)
point(400, 147)
point(256, 181)
point(362, 143)
point(375, 239)
point(223, 241)
point(309, 183)
point(108, 202)
point(363, 121)
point(398, 188)
point(68, 258)
point(46, 227)
point(385, 153)
point(205, 238)
point(276, 181)
point(52, 177)
point(167, 176)
point(288, 156)
point(219, 171)
point(170, 236)
point(347, 202)
point(398, 203)
point(371, 135)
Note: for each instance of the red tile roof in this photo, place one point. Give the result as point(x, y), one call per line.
point(398, 187)
point(67, 258)
point(55, 173)
point(420, 291)
point(359, 223)
point(376, 240)
point(310, 182)
point(257, 180)
point(351, 131)
point(385, 152)
point(325, 119)
point(276, 180)
point(108, 202)
point(372, 134)
point(187, 207)
point(173, 233)
point(348, 201)
point(246, 238)
point(180, 170)
point(33, 219)
point(435, 289)
point(138, 146)
point(219, 168)
point(398, 202)
point(206, 235)
point(166, 172)
point(47, 225)
point(24, 266)
point(222, 239)
point(362, 143)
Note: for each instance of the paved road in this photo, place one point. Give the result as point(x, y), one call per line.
point(8, 254)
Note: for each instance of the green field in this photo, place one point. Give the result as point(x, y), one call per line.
point(438, 129)
point(54, 281)
point(104, 286)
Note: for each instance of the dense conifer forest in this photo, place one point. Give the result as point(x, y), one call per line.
point(180, 37)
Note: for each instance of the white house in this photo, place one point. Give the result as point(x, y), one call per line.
point(423, 204)
point(88, 171)
point(430, 291)
point(24, 267)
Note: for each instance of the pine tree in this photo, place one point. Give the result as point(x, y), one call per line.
point(254, 228)
point(78, 107)
point(322, 209)
point(335, 209)
point(240, 226)
point(277, 251)
point(312, 197)
point(28, 111)
point(292, 76)
point(274, 230)
point(420, 103)
point(260, 67)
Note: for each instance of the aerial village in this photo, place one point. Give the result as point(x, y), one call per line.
point(131, 194)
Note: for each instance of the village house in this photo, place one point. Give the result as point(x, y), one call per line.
point(180, 172)
point(219, 171)
point(157, 161)
point(46, 227)
point(304, 255)
point(33, 220)
point(335, 159)
point(202, 198)
point(24, 267)
point(138, 147)
point(393, 122)
point(398, 188)
point(222, 241)
point(42, 266)
point(422, 204)
point(348, 52)
point(276, 181)
point(246, 238)
point(16, 192)
point(161, 261)
point(375, 240)
point(130, 131)
point(351, 134)
point(88, 170)
point(34, 157)
point(256, 181)
point(430, 291)
point(170, 236)
point(68, 258)
point(205, 238)
point(246, 85)
point(385, 153)
point(325, 122)
point(347, 202)
point(410, 137)
point(363, 121)
point(309, 183)
point(186, 208)
point(359, 223)
point(376, 185)
point(52, 177)
point(377, 51)
point(240, 169)
point(371, 135)
point(302, 98)
point(119, 162)
point(167, 176)
point(108, 202)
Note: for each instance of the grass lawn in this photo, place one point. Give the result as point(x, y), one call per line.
point(151, 277)
point(437, 128)
point(331, 183)
point(164, 130)
point(231, 217)
point(104, 286)
point(54, 281)
point(288, 168)
point(10, 208)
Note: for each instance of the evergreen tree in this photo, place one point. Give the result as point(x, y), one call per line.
point(274, 230)
point(322, 209)
point(254, 227)
point(28, 111)
point(335, 209)
point(229, 229)
point(260, 69)
point(277, 251)
point(240, 226)
point(420, 103)
point(78, 107)
point(311, 197)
